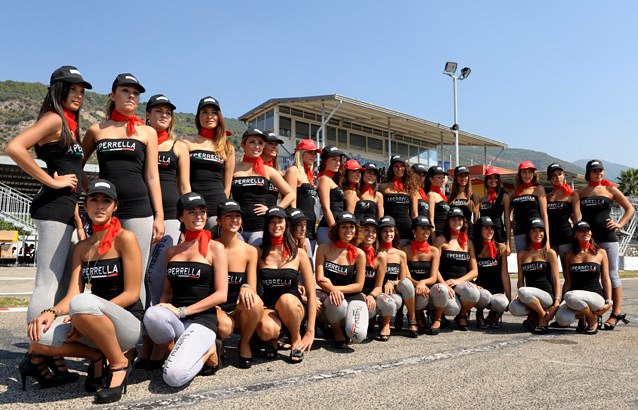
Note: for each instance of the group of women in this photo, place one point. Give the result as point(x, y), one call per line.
point(182, 245)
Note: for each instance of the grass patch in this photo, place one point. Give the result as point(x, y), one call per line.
point(624, 274)
point(11, 302)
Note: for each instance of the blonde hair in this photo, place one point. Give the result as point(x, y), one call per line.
point(221, 146)
point(300, 165)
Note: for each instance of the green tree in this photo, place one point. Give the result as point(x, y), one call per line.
point(628, 182)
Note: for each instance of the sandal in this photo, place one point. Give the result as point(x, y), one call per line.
point(528, 324)
point(341, 344)
point(398, 322)
point(413, 330)
point(433, 331)
point(617, 318)
point(460, 326)
point(481, 323)
point(208, 370)
point(92, 383)
point(65, 376)
point(541, 330)
point(271, 352)
point(494, 321)
point(296, 356)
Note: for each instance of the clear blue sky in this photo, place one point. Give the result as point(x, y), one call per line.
point(550, 76)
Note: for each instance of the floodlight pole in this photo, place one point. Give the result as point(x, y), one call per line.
point(456, 127)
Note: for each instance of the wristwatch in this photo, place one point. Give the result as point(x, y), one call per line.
point(182, 312)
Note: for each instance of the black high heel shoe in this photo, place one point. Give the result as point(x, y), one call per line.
point(413, 333)
point(64, 375)
point(92, 383)
point(39, 371)
point(113, 394)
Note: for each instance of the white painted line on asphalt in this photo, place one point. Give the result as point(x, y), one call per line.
point(196, 398)
point(6, 310)
point(16, 293)
point(17, 278)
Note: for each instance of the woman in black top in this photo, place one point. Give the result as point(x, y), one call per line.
point(370, 204)
point(329, 189)
point(563, 208)
point(437, 201)
point(528, 202)
point(280, 266)
point(270, 155)
point(212, 156)
point(462, 197)
point(184, 323)
point(350, 185)
point(421, 175)
point(400, 197)
point(105, 323)
point(54, 208)
point(539, 293)
point(376, 266)
point(583, 295)
point(496, 203)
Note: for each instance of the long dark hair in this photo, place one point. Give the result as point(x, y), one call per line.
point(56, 95)
point(345, 184)
point(395, 241)
point(338, 176)
point(543, 242)
point(576, 247)
point(289, 242)
point(499, 187)
point(446, 229)
point(479, 242)
point(410, 186)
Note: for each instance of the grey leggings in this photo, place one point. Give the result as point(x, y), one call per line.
point(495, 303)
point(156, 272)
point(440, 298)
point(353, 310)
point(388, 305)
point(127, 327)
point(253, 238)
point(520, 241)
point(612, 257)
point(143, 230)
point(575, 301)
point(561, 251)
point(194, 341)
point(527, 295)
point(53, 271)
point(322, 235)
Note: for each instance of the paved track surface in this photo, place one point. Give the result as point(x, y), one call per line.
point(508, 367)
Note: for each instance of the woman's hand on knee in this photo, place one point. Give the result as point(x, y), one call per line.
point(370, 303)
point(421, 289)
point(170, 307)
point(336, 296)
point(34, 330)
point(73, 335)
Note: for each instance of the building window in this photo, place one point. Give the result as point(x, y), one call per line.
point(313, 130)
point(261, 121)
point(375, 146)
point(285, 126)
point(332, 136)
point(302, 130)
point(343, 139)
point(270, 120)
point(357, 142)
point(252, 124)
point(402, 149)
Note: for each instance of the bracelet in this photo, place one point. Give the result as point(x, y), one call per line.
point(372, 294)
point(611, 302)
point(556, 298)
point(246, 285)
point(51, 310)
point(182, 312)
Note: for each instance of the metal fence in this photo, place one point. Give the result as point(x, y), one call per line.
point(15, 208)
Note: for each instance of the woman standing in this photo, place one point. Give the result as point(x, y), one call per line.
point(271, 159)
point(243, 309)
point(370, 204)
point(376, 266)
point(281, 264)
point(583, 295)
point(400, 197)
point(300, 176)
point(495, 204)
point(330, 194)
point(340, 272)
point(212, 156)
point(563, 205)
point(350, 185)
point(421, 173)
point(493, 278)
point(529, 202)
point(105, 323)
point(127, 154)
point(437, 201)
point(462, 197)
point(539, 291)
point(251, 180)
point(596, 201)
point(184, 324)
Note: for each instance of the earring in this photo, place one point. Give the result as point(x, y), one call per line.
point(148, 122)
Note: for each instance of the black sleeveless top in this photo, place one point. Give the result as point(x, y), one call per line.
point(207, 177)
point(167, 167)
point(419, 270)
point(495, 211)
point(397, 205)
point(277, 282)
point(365, 208)
point(595, 210)
point(489, 274)
point(558, 214)
point(235, 280)
point(336, 205)
point(192, 282)
point(586, 276)
point(538, 275)
point(423, 208)
point(371, 278)
point(392, 272)
point(339, 275)
point(453, 264)
point(59, 204)
point(248, 192)
point(122, 162)
point(306, 200)
point(272, 195)
point(441, 209)
point(107, 281)
point(525, 207)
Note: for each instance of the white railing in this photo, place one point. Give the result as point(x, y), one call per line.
point(15, 207)
point(625, 234)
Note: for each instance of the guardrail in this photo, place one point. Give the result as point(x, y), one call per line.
point(15, 207)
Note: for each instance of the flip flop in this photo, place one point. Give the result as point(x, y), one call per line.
point(296, 356)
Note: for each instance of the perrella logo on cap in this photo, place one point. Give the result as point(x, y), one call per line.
point(130, 77)
point(74, 71)
point(368, 221)
point(294, 213)
point(194, 197)
point(581, 225)
point(331, 149)
point(102, 184)
point(210, 100)
point(536, 221)
point(161, 97)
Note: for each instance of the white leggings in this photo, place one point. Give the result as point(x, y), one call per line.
point(194, 341)
point(495, 303)
point(353, 310)
point(575, 301)
point(527, 295)
point(440, 298)
point(388, 305)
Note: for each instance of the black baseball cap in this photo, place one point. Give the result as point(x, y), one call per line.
point(189, 202)
point(419, 168)
point(208, 101)
point(276, 211)
point(225, 207)
point(158, 99)
point(553, 167)
point(581, 225)
point(387, 221)
point(127, 79)
point(536, 223)
point(346, 217)
point(454, 212)
point(271, 136)
point(461, 170)
point(398, 158)
point(331, 151)
point(436, 169)
point(592, 165)
point(102, 186)
point(371, 166)
point(421, 221)
point(486, 221)
point(253, 132)
point(69, 74)
point(368, 220)
point(295, 216)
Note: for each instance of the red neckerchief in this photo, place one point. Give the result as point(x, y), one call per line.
point(269, 163)
point(438, 191)
point(279, 241)
point(71, 121)
point(352, 251)
point(491, 195)
point(114, 227)
point(586, 245)
point(386, 245)
point(326, 173)
point(202, 236)
point(367, 188)
point(566, 189)
point(493, 249)
point(397, 184)
point(420, 246)
point(369, 251)
point(309, 175)
point(423, 194)
point(162, 136)
point(353, 186)
point(258, 166)
point(131, 119)
point(604, 182)
point(519, 190)
point(462, 237)
point(208, 134)
point(536, 245)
